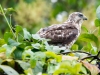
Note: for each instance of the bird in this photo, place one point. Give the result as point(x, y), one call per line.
point(65, 34)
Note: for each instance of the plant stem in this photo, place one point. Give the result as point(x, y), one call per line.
point(2, 11)
point(10, 19)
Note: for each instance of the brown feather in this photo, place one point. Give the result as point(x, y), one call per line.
point(64, 34)
point(59, 34)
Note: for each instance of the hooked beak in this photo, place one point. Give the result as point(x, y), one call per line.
point(84, 18)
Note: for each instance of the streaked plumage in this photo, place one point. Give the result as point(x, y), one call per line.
point(64, 34)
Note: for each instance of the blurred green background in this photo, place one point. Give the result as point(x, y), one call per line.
point(34, 14)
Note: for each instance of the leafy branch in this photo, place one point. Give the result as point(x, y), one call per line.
point(9, 24)
point(94, 57)
point(32, 55)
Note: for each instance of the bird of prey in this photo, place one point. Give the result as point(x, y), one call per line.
point(64, 34)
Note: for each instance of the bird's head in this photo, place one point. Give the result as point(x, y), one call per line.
point(77, 17)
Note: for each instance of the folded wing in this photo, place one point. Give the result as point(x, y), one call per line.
point(59, 34)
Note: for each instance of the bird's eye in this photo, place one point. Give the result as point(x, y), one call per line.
point(80, 15)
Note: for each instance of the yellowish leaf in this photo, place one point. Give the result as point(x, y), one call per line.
point(92, 68)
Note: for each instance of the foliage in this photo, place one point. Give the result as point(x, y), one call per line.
point(35, 14)
point(23, 53)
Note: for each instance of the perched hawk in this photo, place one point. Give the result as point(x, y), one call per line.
point(64, 34)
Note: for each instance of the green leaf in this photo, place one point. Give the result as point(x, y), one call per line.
point(26, 53)
point(59, 58)
point(97, 22)
point(52, 68)
point(74, 47)
point(61, 70)
point(98, 12)
point(84, 28)
point(88, 38)
point(53, 55)
point(2, 49)
point(77, 68)
point(13, 42)
point(38, 69)
point(93, 49)
point(28, 47)
point(50, 54)
point(54, 49)
point(18, 53)
point(27, 35)
point(90, 48)
point(2, 42)
point(28, 71)
point(83, 70)
point(36, 46)
point(39, 55)
point(8, 70)
point(9, 50)
point(66, 65)
point(24, 65)
point(18, 29)
point(10, 9)
point(72, 67)
point(36, 36)
point(7, 35)
point(32, 62)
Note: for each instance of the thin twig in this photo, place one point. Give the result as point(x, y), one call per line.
point(75, 52)
point(87, 57)
point(2, 11)
point(93, 57)
point(98, 53)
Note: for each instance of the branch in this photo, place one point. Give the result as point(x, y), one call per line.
point(75, 52)
point(93, 57)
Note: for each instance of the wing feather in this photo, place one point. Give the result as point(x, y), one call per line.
point(62, 34)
